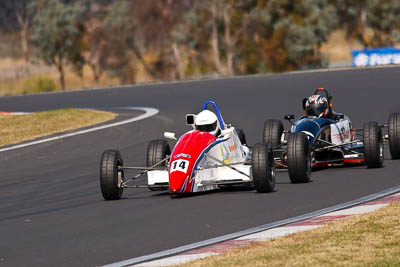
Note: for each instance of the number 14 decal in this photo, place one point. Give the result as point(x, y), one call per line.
point(179, 165)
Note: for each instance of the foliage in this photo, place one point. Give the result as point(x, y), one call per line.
point(258, 36)
point(172, 39)
point(58, 35)
point(374, 23)
point(15, 16)
point(39, 84)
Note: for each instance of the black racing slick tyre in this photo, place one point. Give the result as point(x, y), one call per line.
point(157, 150)
point(394, 135)
point(299, 158)
point(241, 136)
point(373, 145)
point(273, 130)
point(263, 168)
point(111, 177)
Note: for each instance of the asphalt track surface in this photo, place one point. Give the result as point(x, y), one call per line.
point(51, 209)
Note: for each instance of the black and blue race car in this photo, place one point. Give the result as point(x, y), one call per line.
point(317, 142)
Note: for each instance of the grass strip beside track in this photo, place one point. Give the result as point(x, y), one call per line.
point(371, 239)
point(16, 129)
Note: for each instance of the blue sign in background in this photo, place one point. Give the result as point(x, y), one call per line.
point(376, 56)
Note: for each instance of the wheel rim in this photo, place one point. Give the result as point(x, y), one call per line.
point(120, 176)
point(381, 155)
point(308, 162)
point(272, 174)
point(120, 179)
point(381, 151)
point(308, 166)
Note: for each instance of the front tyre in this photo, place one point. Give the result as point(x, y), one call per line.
point(373, 145)
point(394, 135)
point(263, 168)
point(273, 130)
point(111, 177)
point(299, 158)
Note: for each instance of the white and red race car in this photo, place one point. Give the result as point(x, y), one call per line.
point(199, 162)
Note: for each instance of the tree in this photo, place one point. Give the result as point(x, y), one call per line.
point(293, 32)
point(155, 21)
point(374, 23)
point(145, 37)
point(16, 16)
point(58, 34)
point(252, 36)
point(97, 38)
point(223, 23)
point(383, 19)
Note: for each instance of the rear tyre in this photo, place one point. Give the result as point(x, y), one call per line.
point(241, 136)
point(263, 168)
point(373, 145)
point(157, 150)
point(299, 158)
point(111, 178)
point(394, 135)
point(273, 130)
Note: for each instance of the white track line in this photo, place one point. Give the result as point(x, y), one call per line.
point(148, 113)
point(355, 210)
point(176, 260)
point(277, 232)
point(300, 223)
point(257, 237)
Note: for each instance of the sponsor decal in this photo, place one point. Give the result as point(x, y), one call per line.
point(340, 132)
point(183, 155)
point(181, 165)
point(232, 148)
point(376, 56)
point(225, 157)
point(343, 134)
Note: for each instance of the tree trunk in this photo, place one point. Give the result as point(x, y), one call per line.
point(96, 70)
point(228, 40)
point(61, 72)
point(195, 66)
point(146, 66)
point(24, 42)
point(96, 76)
point(24, 23)
point(131, 74)
point(179, 61)
point(214, 39)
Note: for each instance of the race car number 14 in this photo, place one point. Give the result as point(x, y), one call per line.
point(179, 165)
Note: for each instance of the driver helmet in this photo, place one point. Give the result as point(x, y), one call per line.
point(207, 121)
point(317, 106)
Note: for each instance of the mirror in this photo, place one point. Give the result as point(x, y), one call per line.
point(289, 117)
point(337, 117)
point(190, 119)
point(169, 135)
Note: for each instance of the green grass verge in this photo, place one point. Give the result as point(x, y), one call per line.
point(371, 239)
point(16, 129)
